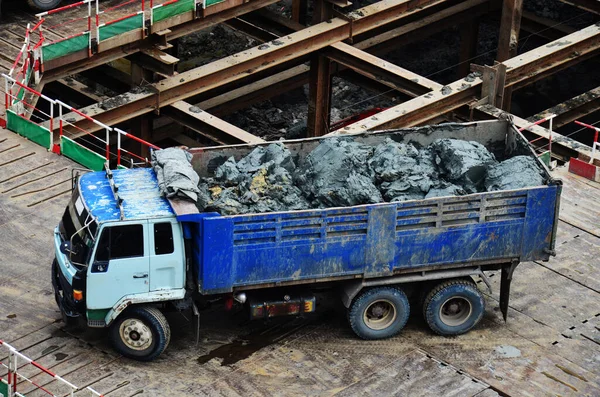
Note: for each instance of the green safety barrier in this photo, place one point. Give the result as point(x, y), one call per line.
point(170, 10)
point(81, 154)
point(28, 129)
point(120, 27)
point(3, 388)
point(212, 2)
point(545, 157)
point(65, 47)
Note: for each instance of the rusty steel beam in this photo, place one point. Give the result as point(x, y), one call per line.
point(510, 26)
point(587, 5)
point(521, 70)
point(572, 109)
point(570, 147)
point(539, 63)
point(238, 98)
point(383, 71)
point(208, 125)
point(543, 27)
point(238, 66)
point(242, 7)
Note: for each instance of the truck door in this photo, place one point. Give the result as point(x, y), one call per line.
point(120, 265)
point(167, 259)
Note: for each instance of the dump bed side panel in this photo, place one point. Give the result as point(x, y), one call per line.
point(375, 240)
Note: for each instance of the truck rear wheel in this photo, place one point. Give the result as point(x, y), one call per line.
point(141, 333)
point(453, 307)
point(379, 313)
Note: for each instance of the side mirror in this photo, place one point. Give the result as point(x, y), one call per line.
point(65, 248)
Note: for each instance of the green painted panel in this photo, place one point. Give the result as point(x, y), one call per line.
point(545, 157)
point(211, 2)
point(81, 154)
point(97, 314)
point(124, 26)
point(170, 10)
point(3, 388)
point(121, 167)
point(65, 47)
point(28, 129)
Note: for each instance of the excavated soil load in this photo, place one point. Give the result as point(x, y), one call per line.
point(340, 172)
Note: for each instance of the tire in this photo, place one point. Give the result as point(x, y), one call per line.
point(130, 332)
point(43, 5)
point(453, 307)
point(379, 313)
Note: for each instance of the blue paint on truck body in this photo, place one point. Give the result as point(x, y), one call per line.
point(137, 187)
point(372, 240)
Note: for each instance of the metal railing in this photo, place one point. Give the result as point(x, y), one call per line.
point(14, 379)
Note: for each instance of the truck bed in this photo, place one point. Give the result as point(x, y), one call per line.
point(378, 240)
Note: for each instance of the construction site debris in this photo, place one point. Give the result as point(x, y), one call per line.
point(176, 177)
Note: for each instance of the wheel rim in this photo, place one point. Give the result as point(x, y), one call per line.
point(135, 334)
point(455, 311)
point(380, 314)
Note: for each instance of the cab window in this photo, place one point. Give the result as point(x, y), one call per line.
point(163, 239)
point(119, 242)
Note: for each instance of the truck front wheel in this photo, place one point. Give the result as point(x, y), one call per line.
point(379, 313)
point(453, 307)
point(43, 5)
point(141, 333)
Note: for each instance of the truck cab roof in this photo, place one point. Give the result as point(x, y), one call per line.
point(138, 189)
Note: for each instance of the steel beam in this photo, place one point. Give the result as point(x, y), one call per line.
point(574, 148)
point(208, 125)
point(238, 66)
point(587, 5)
point(378, 69)
point(238, 98)
point(521, 70)
point(510, 26)
point(543, 27)
point(319, 96)
point(573, 109)
point(220, 15)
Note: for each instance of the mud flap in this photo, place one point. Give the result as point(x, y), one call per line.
point(197, 315)
point(505, 280)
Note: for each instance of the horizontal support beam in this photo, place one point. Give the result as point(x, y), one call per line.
point(250, 61)
point(378, 69)
point(583, 151)
point(156, 61)
point(208, 125)
point(572, 109)
point(218, 15)
point(587, 5)
point(543, 27)
point(538, 63)
point(521, 70)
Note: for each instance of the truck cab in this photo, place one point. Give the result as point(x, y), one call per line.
point(109, 256)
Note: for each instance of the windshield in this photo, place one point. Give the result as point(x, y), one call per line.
point(74, 218)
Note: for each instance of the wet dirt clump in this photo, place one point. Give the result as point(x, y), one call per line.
point(341, 172)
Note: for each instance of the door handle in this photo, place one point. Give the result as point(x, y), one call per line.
point(140, 275)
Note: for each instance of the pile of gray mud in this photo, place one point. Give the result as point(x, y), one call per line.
point(340, 172)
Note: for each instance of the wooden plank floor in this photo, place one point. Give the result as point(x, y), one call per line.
point(549, 346)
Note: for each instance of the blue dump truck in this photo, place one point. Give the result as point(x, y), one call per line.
point(125, 254)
